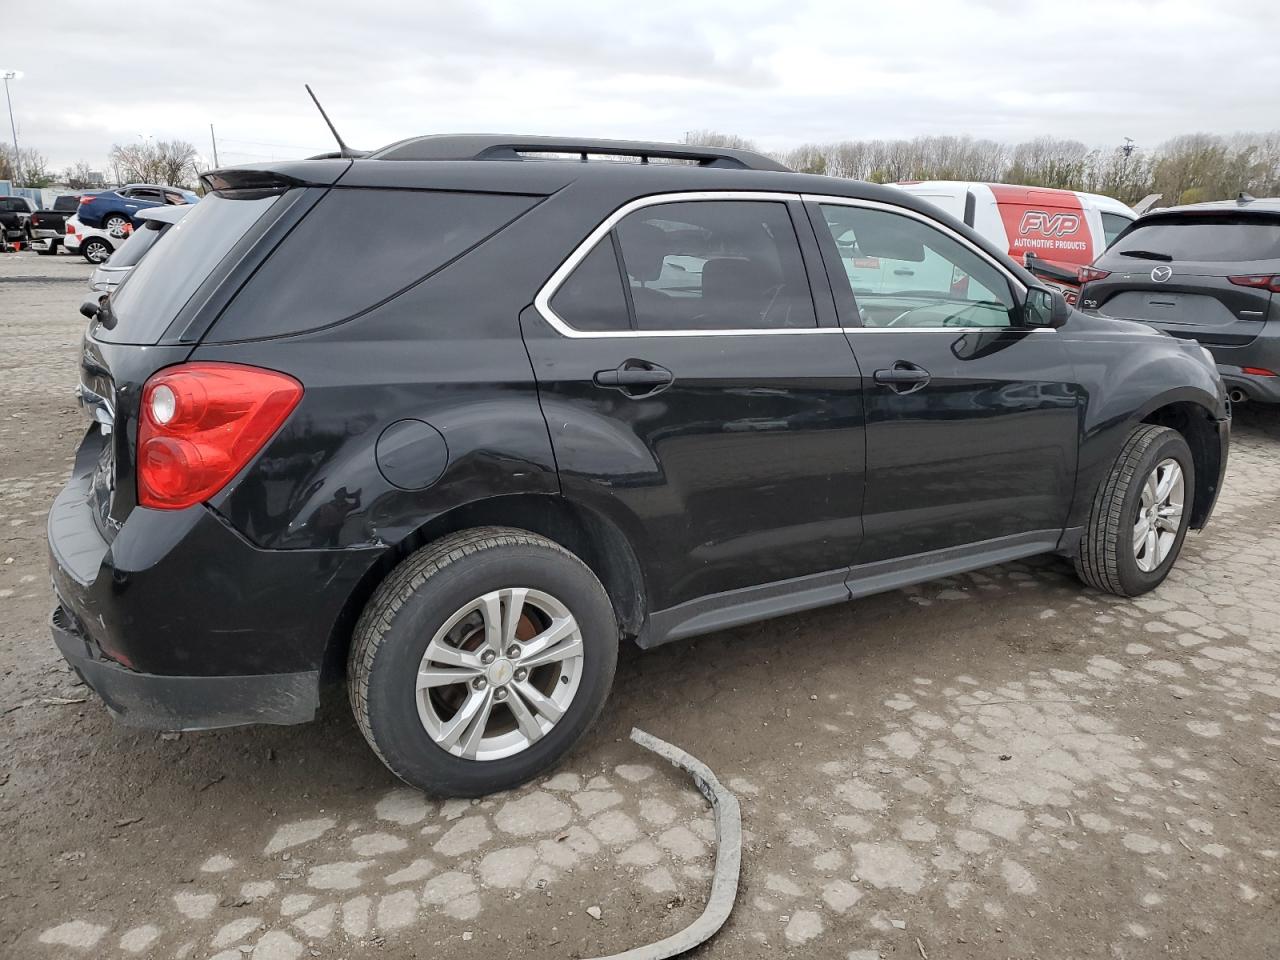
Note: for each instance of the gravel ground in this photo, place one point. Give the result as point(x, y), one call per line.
point(1002, 764)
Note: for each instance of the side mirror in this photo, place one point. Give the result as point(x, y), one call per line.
point(1045, 308)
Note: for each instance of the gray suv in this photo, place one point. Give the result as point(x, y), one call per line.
point(1208, 272)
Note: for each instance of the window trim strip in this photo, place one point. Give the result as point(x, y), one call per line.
point(542, 300)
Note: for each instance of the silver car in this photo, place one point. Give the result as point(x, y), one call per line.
point(152, 225)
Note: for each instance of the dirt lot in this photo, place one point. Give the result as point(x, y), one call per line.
point(996, 765)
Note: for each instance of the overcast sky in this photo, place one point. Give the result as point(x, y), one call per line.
point(781, 72)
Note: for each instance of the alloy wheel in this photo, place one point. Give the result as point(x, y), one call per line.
point(1159, 517)
point(499, 674)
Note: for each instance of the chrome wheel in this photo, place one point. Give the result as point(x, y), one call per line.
point(500, 674)
point(1159, 515)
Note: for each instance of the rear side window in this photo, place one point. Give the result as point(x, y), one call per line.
point(593, 297)
point(1113, 225)
point(715, 265)
point(139, 242)
point(358, 248)
point(1208, 239)
point(160, 286)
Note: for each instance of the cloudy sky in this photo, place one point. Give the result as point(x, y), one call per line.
point(780, 72)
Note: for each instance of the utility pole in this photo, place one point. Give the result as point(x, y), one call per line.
point(214, 139)
point(12, 75)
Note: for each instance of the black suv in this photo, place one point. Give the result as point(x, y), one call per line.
point(1208, 272)
point(571, 392)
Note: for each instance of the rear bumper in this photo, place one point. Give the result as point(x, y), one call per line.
point(161, 702)
point(179, 622)
point(1255, 388)
point(45, 233)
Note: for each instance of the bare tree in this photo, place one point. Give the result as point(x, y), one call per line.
point(80, 176)
point(31, 168)
point(712, 138)
point(169, 162)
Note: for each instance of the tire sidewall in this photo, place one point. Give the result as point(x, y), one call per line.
point(393, 718)
point(1171, 446)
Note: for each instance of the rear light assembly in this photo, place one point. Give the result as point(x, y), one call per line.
point(1258, 281)
point(1257, 371)
point(86, 199)
point(1090, 274)
point(200, 423)
point(70, 229)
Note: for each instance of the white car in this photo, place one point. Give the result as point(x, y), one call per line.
point(92, 243)
point(1054, 233)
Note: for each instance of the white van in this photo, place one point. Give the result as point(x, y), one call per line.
point(1055, 233)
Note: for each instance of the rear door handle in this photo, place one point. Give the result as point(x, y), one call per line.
point(636, 378)
point(903, 377)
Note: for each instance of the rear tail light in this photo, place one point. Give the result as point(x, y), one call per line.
point(1258, 371)
point(1090, 274)
point(70, 229)
point(86, 198)
point(200, 424)
point(1259, 281)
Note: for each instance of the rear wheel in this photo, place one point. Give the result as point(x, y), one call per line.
point(95, 249)
point(1139, 516)
point(481, 661)
point(50, 248)
point(117, 226)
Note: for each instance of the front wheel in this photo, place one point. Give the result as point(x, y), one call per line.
point(1139, 516)
point(481, 661)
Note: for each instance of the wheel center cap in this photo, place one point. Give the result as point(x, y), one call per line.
point(500, 672)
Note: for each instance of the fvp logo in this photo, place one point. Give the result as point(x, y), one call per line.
point(1049, 224)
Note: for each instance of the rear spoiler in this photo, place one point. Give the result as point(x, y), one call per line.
point(246, 183)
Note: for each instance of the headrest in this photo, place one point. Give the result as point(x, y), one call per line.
point(644, 247)
point(732, 279)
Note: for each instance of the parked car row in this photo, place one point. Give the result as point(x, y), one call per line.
point(93, 224)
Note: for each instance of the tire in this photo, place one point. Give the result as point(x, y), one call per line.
point(95, 250)
point(1108, 556)
point(410, 614)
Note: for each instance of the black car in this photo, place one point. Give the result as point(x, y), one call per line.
point(571, 392)
point(49, 226)
point(1208, 272)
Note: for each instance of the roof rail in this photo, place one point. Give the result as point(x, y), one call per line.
point(490, 146)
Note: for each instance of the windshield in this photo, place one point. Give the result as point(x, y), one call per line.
point(162, 283)
point(1202, 238)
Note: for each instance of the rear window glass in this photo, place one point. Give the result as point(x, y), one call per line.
point(64, 204)
point(358, 248)
point(160, 286)
point(1213, 239)
point(142, 240)
point(593, 298)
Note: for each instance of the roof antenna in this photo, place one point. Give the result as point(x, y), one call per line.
point(1245, 197)
point(343, 149)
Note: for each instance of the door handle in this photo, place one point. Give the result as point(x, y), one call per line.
point(636, 378)
point(903, 377)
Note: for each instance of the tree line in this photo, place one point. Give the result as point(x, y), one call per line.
point(167, 162)
point(1186, 169)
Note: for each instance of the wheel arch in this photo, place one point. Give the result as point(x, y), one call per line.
point(595, 540)
point(1197, 425)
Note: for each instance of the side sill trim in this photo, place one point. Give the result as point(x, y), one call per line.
point(763, 602)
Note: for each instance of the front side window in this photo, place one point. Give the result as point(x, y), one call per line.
point(905, 273)
point(715, 265)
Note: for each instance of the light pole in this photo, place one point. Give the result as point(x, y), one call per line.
point(12, 75)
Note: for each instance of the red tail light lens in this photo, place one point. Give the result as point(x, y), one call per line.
point(200, 423)
point(1261, 282)
point(1257, 371)
point(1090, 274)
point(86, 199)
point(70, 229)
